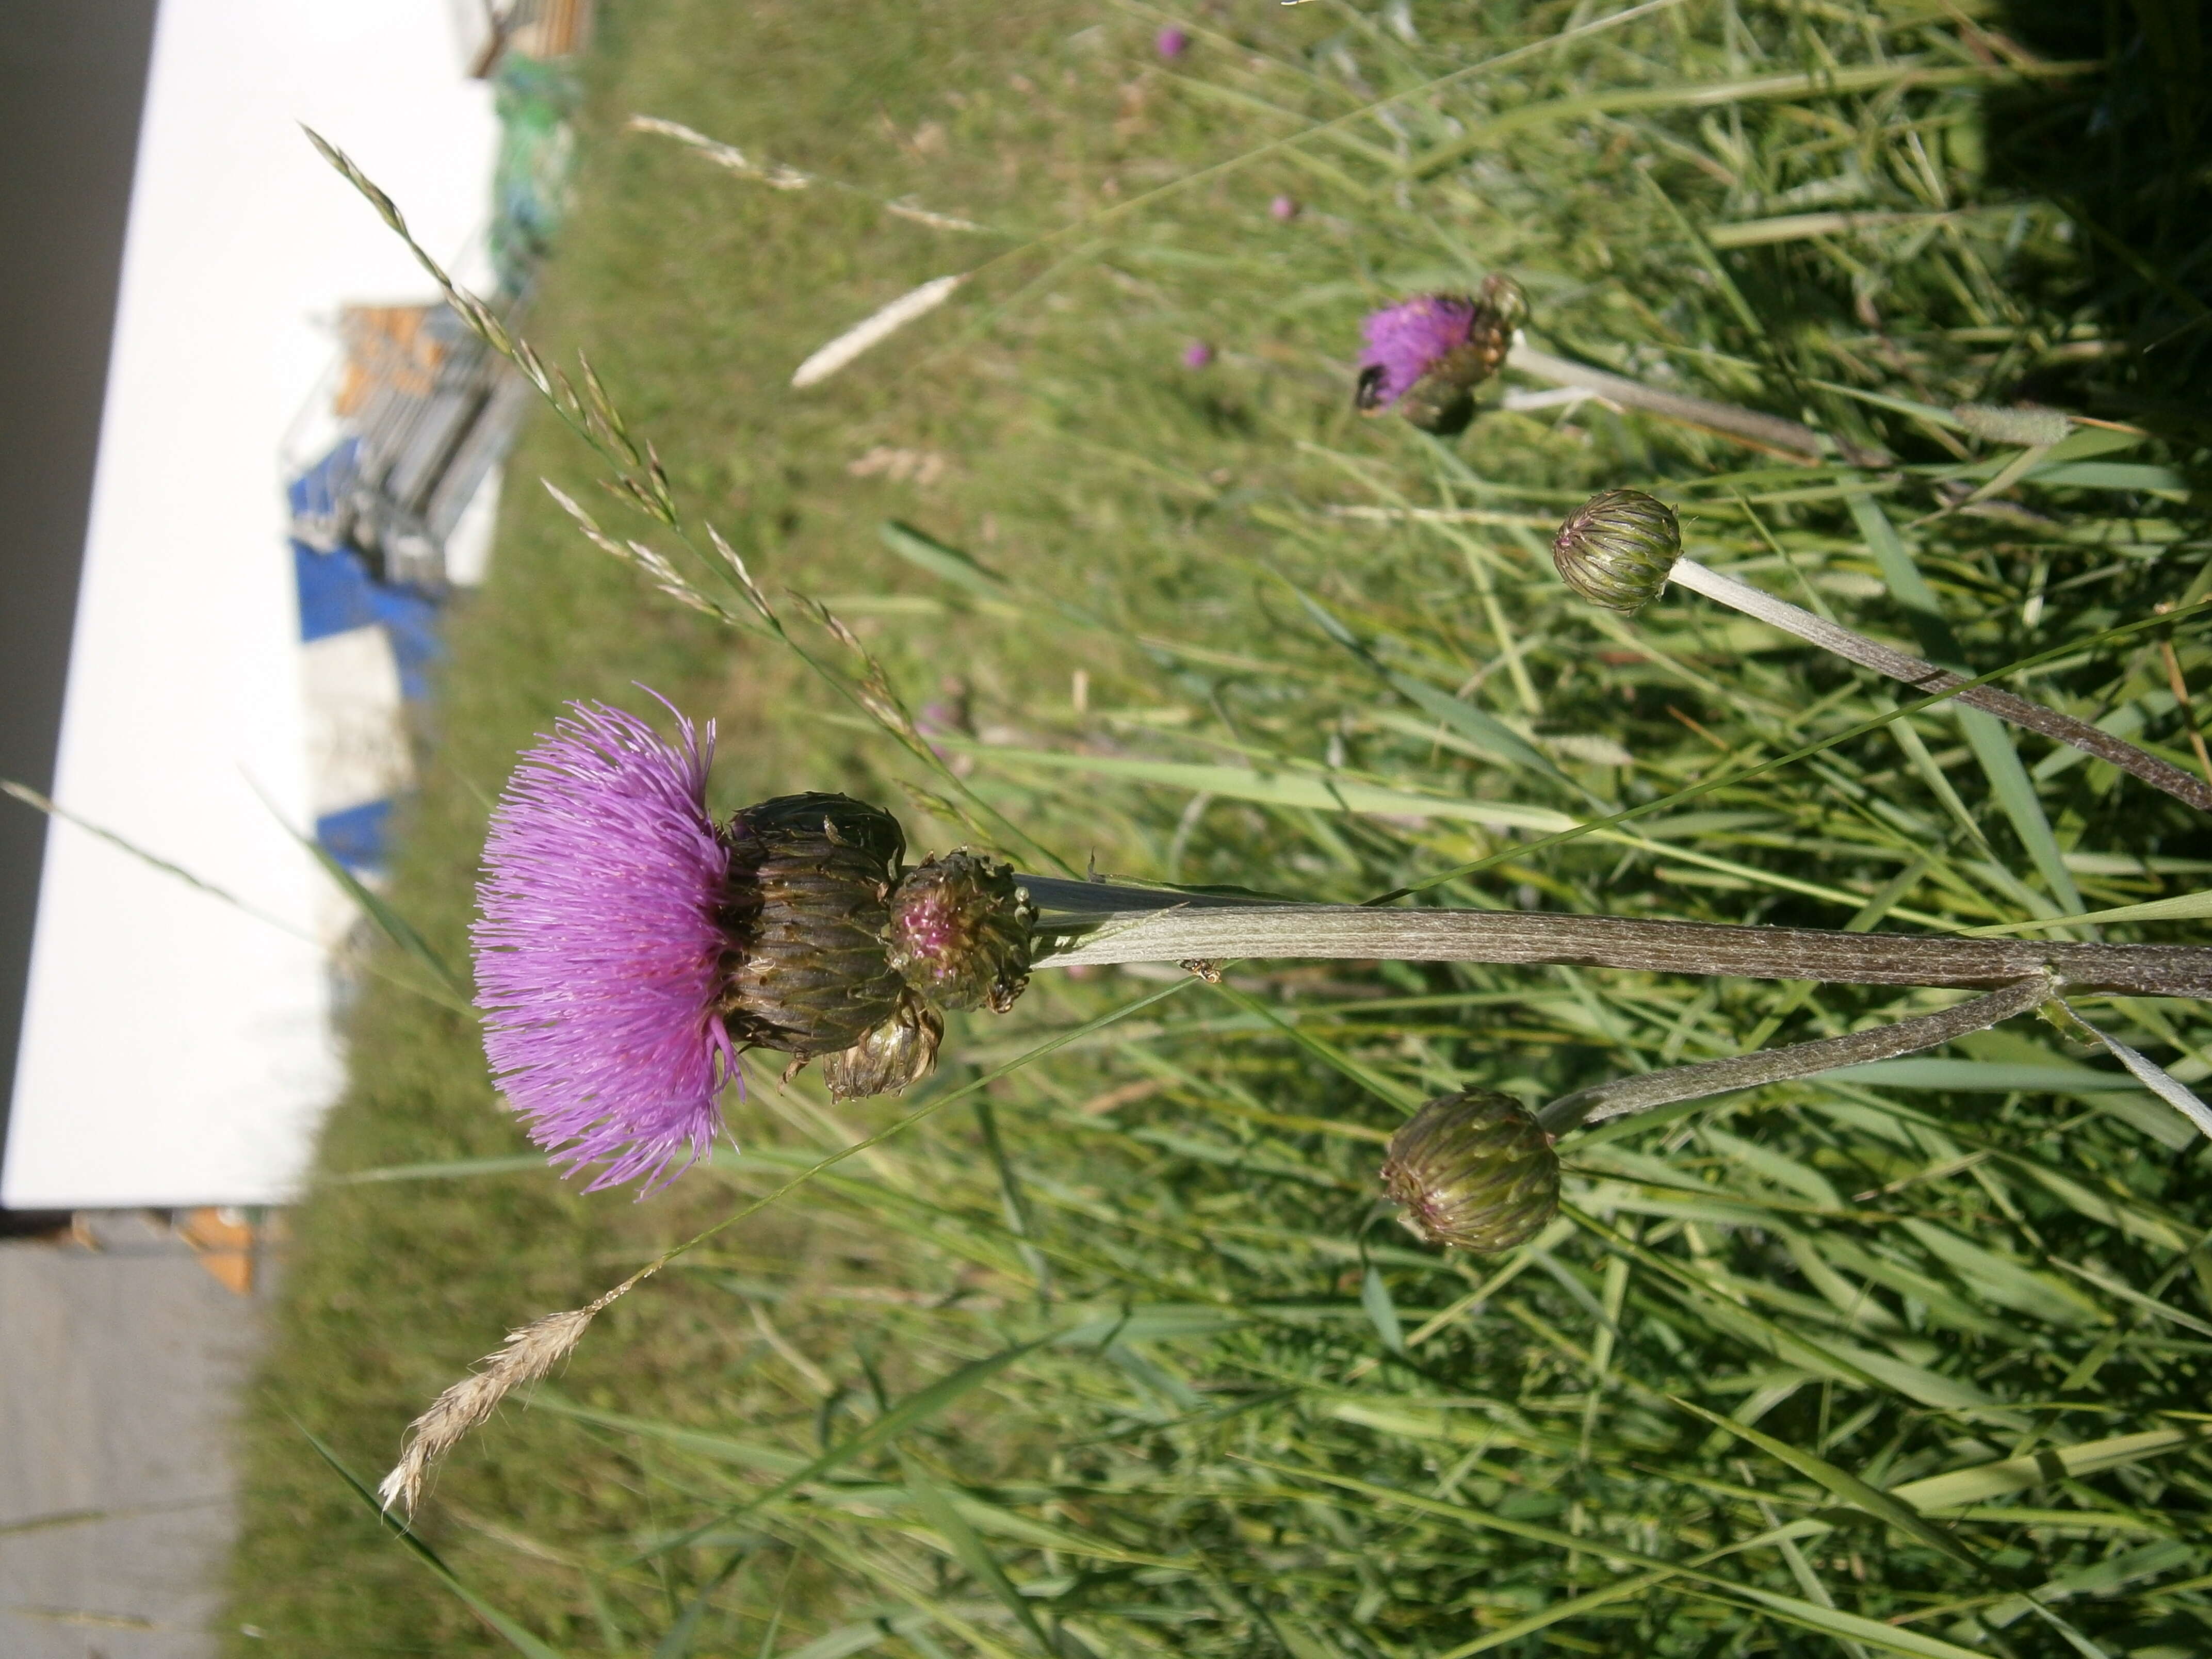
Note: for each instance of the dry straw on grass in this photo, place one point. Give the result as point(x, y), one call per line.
point(777, 176)
point(874, 329)
point(774, 174)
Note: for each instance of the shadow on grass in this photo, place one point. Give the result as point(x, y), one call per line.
point(2127, 152)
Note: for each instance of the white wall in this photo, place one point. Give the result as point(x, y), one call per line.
point(175, 1051)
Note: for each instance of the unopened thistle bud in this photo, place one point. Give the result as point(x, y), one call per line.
point(902, 1050)
point(960, 932)
point(1425, 355)
point(807, 910)
point(1615, 549)
point(1474, 1170)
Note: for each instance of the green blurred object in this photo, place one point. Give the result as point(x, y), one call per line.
point(535, 101)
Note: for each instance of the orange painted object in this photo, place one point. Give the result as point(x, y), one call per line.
point(224, 1243)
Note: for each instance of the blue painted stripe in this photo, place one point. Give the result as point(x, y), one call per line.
point(338, 595)
point(317, 492)
point(356, 836)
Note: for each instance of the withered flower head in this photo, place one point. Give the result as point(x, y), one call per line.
point(1473, 1170)
point(902, 1050)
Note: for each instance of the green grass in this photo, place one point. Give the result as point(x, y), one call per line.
point(1117, 1352)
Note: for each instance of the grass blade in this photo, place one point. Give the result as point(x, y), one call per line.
point(449, 993)
point(2155, 1077)
point(1882, 1506)
point(517, 1638)
point(916, 1408)
point(1986, 1481)
point(947, 563)
point(970, 1550)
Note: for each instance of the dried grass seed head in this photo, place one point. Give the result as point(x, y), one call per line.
point(527, 1355)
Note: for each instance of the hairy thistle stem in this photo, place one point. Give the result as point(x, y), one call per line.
point(1925, 677)
point(1098, 922)
point(1790, 440)
point(1717, 1076)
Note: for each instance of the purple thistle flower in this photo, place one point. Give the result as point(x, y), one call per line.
point(1171, 43)
point(1404, 340)
point(599, 950)
point(1197, 355)
point(1283, 209)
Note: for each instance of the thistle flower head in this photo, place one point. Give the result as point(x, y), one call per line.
point(1473, 1170)
point(599, 950)
point(1171, 43)
point(1404, 340)
point(960, 932)
point(1425, 355)
point(1197, 355)
point(1283, 209)
point(1616, 550)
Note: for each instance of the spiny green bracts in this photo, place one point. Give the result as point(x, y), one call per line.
point(810, 877)
point(1616, 550)
point(1474, 1170)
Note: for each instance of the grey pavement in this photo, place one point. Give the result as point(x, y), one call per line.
point(119, 1369)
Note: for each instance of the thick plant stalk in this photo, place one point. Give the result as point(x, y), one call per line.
point(1789, 439)
point(1096, 922)
point(1718, 1077)
point(1925, 677)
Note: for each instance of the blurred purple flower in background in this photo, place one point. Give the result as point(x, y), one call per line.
point(1171, 43)
point(1284, 208)
point(1405, 339)
point(598, 946)
point(1197, 355)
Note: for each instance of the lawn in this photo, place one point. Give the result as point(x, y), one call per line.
point(1113, 1347)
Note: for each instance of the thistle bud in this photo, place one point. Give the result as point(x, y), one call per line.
point(1425, 355)
point(807, 912)
point(1616, 549)
point(960, 932)
point(1475, 1170)
point(902, 1050)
